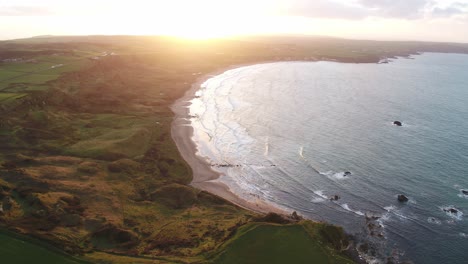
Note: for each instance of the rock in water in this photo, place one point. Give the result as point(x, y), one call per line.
point(402, 198)
point(465, 192)
point(397, 123)
point(451, 210)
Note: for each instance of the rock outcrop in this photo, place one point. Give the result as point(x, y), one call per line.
point(402, 198)
point(295, 216)
point(451, 210)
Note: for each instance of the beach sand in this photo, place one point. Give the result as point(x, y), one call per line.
point(204, 177)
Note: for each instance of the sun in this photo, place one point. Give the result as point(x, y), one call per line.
point(200, 19)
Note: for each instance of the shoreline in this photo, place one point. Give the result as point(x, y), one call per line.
point(203, 176)
point(206, 179)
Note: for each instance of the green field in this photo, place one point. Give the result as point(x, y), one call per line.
point(7, 75)
point(5, 97)
point(25, 67)
point(35, 78)
point(34, 73)
point(265, 243)
point(14, 250)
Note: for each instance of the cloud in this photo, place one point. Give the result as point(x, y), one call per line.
point(452, 10)
point(322, 9)
point(24, 11)
point(409, 9)
point(65, 8)
point(358, 9)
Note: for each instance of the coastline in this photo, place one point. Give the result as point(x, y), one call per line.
point(204, 177)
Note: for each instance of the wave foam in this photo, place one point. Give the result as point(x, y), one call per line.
point(462, 194)
point(393, 210)
point(317, 200)
point(452, 212)
point(346, 207)
point(335, 175)
point(301, 152)
point(321, 194)
point(433, 220)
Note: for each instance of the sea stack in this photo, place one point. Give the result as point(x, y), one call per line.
point(402, 198)
point(397, 123)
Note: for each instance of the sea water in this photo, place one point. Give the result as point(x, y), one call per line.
point(287, 132)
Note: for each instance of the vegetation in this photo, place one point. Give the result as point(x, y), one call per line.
point(268, 243)
point(14, 247)
point(88, 163)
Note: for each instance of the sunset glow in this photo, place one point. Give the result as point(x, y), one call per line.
point(442, 20)
point(194, 19)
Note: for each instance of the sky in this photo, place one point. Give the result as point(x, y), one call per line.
point(426, 20)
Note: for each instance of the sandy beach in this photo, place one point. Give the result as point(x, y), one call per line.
point(204, 177)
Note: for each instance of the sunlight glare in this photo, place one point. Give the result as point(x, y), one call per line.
point(195, 19)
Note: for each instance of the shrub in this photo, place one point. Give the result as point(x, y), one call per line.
point(175, 195)
point(123, 165)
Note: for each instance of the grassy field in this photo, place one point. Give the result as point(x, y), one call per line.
point(6, 75)
point(26, 67)
point(268, 243)
point(8, 97)
point(19, 251)
point(37, 70)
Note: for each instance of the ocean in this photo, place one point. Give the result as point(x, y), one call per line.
point(296, 134)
